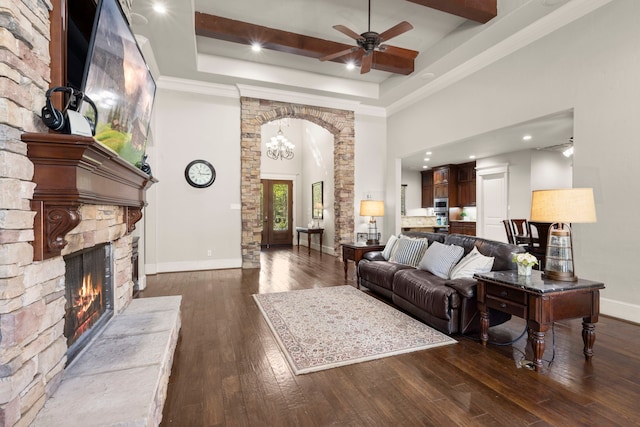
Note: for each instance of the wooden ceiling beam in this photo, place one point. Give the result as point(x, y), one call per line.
point(220, 28)
point(477, 10)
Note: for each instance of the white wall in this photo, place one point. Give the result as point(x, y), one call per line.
point(370, 176)
point(413, 181)
point(591, 65)
point(183, 223)
point(550, 170)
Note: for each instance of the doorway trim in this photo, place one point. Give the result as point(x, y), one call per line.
point(340, 123)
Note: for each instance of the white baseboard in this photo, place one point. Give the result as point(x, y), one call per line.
point(325, 249)
point(173, 267)
point(620, 310)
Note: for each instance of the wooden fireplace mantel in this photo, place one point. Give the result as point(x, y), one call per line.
point(71, 170)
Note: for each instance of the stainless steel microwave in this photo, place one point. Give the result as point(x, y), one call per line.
point(440, 204)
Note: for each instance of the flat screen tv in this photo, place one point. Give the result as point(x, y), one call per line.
point(81, 16)
point(118, 81)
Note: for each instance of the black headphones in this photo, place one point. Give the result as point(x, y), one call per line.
point(56, 119)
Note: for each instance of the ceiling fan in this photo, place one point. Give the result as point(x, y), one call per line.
point(370, 41)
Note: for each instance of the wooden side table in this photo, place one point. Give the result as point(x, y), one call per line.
point(309, 232)
point(540, 302)
point(354, 252)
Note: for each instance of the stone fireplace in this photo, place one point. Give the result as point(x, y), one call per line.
point(40, 224)
point(84, 197)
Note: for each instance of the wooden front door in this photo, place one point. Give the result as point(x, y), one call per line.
point(277, 212)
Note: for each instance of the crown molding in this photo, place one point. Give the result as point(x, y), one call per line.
point(309, 99)
point(563, 16)
point(197, 86)
point(230, 91)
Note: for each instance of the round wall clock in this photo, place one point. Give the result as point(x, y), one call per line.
point(200, 173)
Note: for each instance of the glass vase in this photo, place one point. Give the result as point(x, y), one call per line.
point(524, 270)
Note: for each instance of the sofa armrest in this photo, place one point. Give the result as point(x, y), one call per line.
point(466, 287)
point(373, 256)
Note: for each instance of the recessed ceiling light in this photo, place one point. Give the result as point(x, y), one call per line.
point(568, 152)
point(428, 153)
point(472, 156)
point(426, 159)
point(526, 137)
point(160, 8)
point(425, 167)
point(351, 65)
point(256, 47)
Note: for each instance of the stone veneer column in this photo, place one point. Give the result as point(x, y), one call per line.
point(256, 112)
point(32, 345)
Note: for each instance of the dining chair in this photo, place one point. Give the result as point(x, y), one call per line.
point(509, 230)
point(521, 233)
point(539, 232)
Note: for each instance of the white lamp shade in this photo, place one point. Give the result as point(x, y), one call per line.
point(371, 208)
point(568, 205)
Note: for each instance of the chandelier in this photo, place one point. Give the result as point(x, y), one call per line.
point(279, 147)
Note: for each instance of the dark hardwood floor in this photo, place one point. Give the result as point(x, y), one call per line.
point(229, 371)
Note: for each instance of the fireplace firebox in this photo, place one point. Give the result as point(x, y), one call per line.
point(89, 295)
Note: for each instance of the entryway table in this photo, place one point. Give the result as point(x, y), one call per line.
point(309, 232)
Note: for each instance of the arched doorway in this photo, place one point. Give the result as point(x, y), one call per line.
point(340, 123)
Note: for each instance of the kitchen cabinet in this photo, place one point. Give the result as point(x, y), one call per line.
point(467, 184)
point(427, 188)
point(441, 175)
point(445, 183)
point(467, 228)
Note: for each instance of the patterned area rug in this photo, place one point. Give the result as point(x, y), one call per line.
point(327, 327)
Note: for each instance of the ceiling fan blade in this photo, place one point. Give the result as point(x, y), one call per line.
point(396, 30)
point(338, 54)
point(348, 32)
point(367, 62)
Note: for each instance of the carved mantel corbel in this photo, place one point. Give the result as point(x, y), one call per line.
point(133, 215)
point(52, 222)
point(71, 170)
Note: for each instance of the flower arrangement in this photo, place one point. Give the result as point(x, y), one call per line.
point(524, 259)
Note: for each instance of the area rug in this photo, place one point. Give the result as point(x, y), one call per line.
point(335, 326)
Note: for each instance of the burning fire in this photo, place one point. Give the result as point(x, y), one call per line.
point(86, 295)
point(86, 306)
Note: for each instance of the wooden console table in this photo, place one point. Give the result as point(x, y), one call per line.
point(354, 252)
point(309, 232)
point(540, 302)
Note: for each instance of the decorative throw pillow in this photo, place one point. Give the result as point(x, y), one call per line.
point(408, 252)
point(473, 263)
point(388, 248)
point(439, 259)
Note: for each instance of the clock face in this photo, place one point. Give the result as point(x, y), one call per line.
point(200, 173)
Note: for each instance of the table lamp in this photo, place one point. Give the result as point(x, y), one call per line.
point(561, 208)
point(372, 208)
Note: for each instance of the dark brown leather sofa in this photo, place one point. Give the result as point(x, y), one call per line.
point(447, 305)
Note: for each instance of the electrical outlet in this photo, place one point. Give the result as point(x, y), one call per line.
point(209, 252)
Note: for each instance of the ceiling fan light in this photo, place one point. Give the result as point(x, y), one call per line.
point(160, 8)
point(351, 65)
point(256, 47)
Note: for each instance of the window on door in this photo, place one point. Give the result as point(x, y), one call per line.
point(276, 212)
